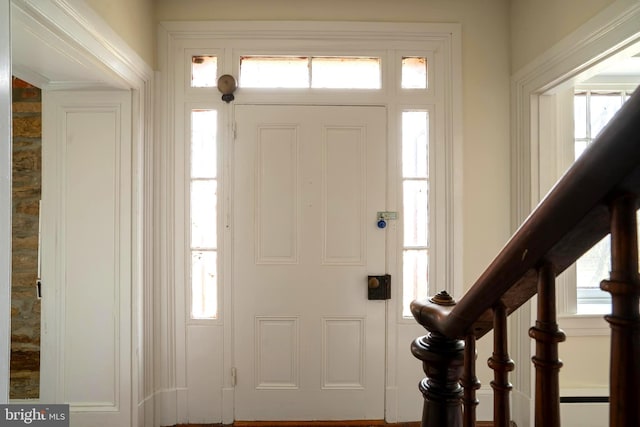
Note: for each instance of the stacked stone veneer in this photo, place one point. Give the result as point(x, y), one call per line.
point(25, 307)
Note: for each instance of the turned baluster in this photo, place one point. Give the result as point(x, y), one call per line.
point(624, 286)
point(546, 362)
point(469, 382)
point(442, 360)
point(501, 364)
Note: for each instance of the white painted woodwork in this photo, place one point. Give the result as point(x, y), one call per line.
point(308, 183)
point(5, 198)
point(64, 44)
point(184, 372)
point(87, 255)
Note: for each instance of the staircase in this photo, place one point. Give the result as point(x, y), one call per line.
point(598, 195)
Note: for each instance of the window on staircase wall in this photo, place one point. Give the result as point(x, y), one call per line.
point(592, 111)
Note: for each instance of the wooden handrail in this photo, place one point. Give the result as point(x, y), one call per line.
point(570, 219)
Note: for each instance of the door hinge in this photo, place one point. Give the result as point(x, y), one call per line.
point(234, 377)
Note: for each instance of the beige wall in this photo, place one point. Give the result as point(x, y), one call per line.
point(586, 362)
point(134, 21)
point(536, 25)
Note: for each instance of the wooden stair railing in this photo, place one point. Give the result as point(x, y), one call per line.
point(598, 195)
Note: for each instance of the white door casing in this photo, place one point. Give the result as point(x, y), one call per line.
point(87, 255)
point(5, 198)
point(307, 185)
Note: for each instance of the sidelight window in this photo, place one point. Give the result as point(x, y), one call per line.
point(415, 195)
point(203, 210)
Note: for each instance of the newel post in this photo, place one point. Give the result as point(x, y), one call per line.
point(443, 362)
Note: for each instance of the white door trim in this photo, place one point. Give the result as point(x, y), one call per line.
point(5, 197)
point(609, 33)
point(82, 32)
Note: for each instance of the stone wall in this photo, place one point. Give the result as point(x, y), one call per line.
point(25, 307)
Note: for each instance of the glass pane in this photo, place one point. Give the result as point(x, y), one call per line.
point(594, 265)
point(345, 73)
point(274, 72)
point(415, 144)
point(414, 73)
point(203, 214)
point(580, 115)
point(416, 213)
point(415, 278)
point(204, 293)
point(579, 147)
point(204, 71)
point(204, 124)
point(603, 107)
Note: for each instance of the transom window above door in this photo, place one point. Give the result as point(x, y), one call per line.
point(326, 72)
point(317, 72)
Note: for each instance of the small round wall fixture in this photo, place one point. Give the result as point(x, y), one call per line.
point(227, 85)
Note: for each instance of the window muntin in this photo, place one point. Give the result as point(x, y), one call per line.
point(414, 72)
point(317, 72)
point(415, 207)
point(204, 71)
point(592, 111)
point(203, 214)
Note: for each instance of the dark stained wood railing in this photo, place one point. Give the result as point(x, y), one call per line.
point(596, 196)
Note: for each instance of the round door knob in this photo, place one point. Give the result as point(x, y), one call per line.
point(382, 223)
point(373, 283)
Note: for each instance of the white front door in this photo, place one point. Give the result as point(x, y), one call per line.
point(308, 183)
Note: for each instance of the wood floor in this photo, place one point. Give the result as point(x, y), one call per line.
point(319, 424)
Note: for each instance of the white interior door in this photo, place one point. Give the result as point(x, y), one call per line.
point(308, 183)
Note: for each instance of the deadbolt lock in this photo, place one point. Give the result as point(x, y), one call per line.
point(379, 287)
